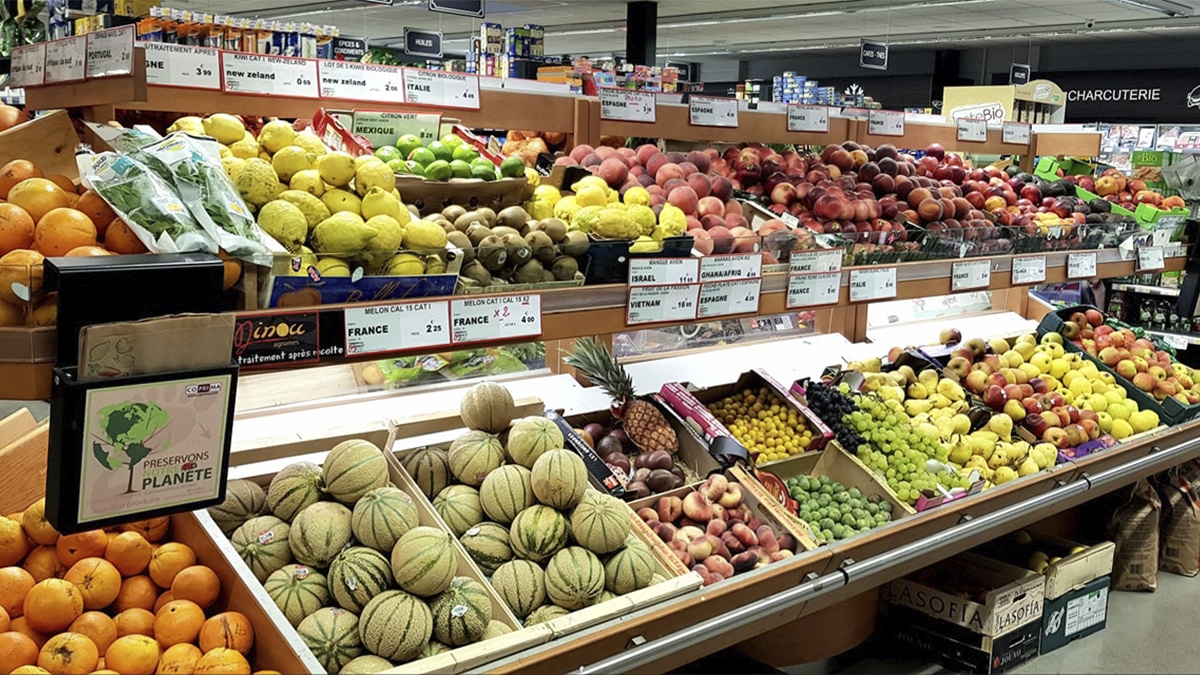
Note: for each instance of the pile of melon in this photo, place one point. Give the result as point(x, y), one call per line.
point(341, 552)
point(521, 507)
point(121, 600)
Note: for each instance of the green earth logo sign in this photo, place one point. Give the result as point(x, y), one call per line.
point(130, 430)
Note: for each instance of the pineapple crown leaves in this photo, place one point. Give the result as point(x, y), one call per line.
point(592, 358)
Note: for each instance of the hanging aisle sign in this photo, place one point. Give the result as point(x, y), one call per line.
point(1019, 73)
point(440, 88)
point(182, 66)
point(110, 52)
point(624, 105)
point(269, 75)
point(465, 7)
point(873, 55)
point(361, 81)
point(707, 111)
point(427, 43)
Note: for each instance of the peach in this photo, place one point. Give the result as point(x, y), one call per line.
point(716, 527)
point(701, 184)
point(732, 497)
point(744, 240)
point(722, 239)
point(670, 508)
point(733, 206)
point(710, 206)
point(696, 506)
point(701, 241)
point(684, 198)
point(666, 172)
point(613, 171)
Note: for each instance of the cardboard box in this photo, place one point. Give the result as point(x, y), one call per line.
point(1070, 573)
point(1077, 614)
point(960, 650)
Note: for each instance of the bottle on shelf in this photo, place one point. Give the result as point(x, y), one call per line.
point(1145, 314)
point(1160, 315)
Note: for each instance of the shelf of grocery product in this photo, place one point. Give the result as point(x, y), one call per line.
point(1148, 290)
point(1177, 340)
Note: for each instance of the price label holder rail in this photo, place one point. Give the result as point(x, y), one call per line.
point(970, 274)
point(1150, 259)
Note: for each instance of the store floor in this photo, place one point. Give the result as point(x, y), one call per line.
point(39, 409)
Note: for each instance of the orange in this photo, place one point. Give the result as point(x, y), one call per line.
point(72, 548)
point(231, 630)
point(13, 543)
point(14, 172)
point(16, 649)
point(137, 591)
point(118, 238)
point(21, 625)
point(233, 272)
point(30, 670)
point(163, 598)
point(221, 661)
point(170, 558)
point(97, 579)
point(61, 230)
point(197, 583)
point(136, 621)
point(16, 228)
point(86, 251)
point(5, 621)
point(153, 529)
point(11, 117)
point(69, 654)
point(63, 182)
point(133, 655)
point(34, 518)
point(43, 563)
point(38, 196)
point(98, 626)
point(179, 659)
point(15, 583)
point(178, 621)
point(93, 206)
point(52, 605)
point(22, 267)
point(129, 552)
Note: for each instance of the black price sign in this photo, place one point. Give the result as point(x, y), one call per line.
point(464, 7)
point(873, 55)
point(1018, 73)
point(273, 340)
point(427, 43)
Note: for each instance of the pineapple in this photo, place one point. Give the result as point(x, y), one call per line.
point(644, 424)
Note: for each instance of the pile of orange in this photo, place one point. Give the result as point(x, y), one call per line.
point(124, 600)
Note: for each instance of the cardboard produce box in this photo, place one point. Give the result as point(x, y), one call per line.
point(959, 649)
point(1077, 614)
point(1077, 565)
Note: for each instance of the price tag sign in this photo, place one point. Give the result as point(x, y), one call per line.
point(730, 267)
point(875, 283)
point(707, 111)
point(390, 328)
point(656, 304)
point(1015, 133)
point(810, 290)
point(1150, 258)
point(624, 105)
point(804, 262)
point(885, 123)
point(384, 128)
point(182, 66)
point(1028, 270)
point(29, 65)
point(439, 88)
point(66, 60)
point(808, 118)
point(725, 298)
point(1081, 265)
point(110, 52)
point(496, 317)
point(361, 81)
point(269, 75)
point(970, 274)
point(663, 271)
point(972, 130)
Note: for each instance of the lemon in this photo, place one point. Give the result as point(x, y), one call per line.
point(638, 196)
point(225, 152)
point(330, 266)
point(404, 265)
point(591, 195)
point(291, 160)
point(257, 183)
point(374, 175)
point(225, 128)
point(233, 165)
point(423, 235)
point(589, 180)
point(311, 143)
point(389, 234)
point(342, 200)
point(378, 202)
point(284, 222)
point(189, 123)
point(245, 149)
point(643, 217)
point(314, 209)
point(308, 180)
point(645, 245)
point(337, 168)
point(565, 208)
point(342, 234)
point(276, 135)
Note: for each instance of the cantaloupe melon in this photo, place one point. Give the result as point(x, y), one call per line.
point(521, 584)
point(367, 664)
point(506, 492)
point(358, 574)
point(545, 613)
point(295, 486)
point(460, 507)
point(600, 523)
point(352, 469)
point(298, 590)
point(429, 468)
point(424, 561)
point(488, 407)
point(244, 500)
point(331, 633)
point(494, 629)
point(461, 613)
point(433, 648)
point(629, 569)
point(319, 533)
point(381, 516)
point(488, 546)
point(574, 578)
point(396, 626)
point(530, 437)
point(473, 456)
point(537, 533)
point(263, 543)
point(559, 479)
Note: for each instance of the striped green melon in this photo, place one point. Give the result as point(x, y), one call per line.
point(604, 596)
point(352, 469)
point(657, 579)
point(358, 574)
point(381, 516)
point(244, 500)
point(263, 543)
point(545, 613)
point(559, 479)
point(319, 533)
point(629, 569)
point(432, 649)
point(574, 578)
point(600, 523)
point(429, 468)
point(487, 544)
point(530, 437)
point(293, 488)
point(521, 585)
point(473, 456)
point(460, 507)
point(396, 626)
point(494, 629)
point(424, 561)
point(461, 613)
point(506, 492)
point(331, 633)
point(367, 664)
point(488, 407)
point(537, 533)
point(298, 590)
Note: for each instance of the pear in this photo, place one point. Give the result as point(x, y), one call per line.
point(998, 459)
point(1027, 467)
point(929, 378)
point(950, 389)
point(962, 423)
point(1002, 425)
point(960, 452)
point(917, 390)
point(909, 375)
point(1004, 474)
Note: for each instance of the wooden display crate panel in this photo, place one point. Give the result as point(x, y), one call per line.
point(48, 141)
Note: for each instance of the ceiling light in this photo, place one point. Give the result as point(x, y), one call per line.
point(924, 4)
point(1171, 9)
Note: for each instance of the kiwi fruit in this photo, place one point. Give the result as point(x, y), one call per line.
point(519, 250)
point(564, 268)
point(556, 228)
point(412, 209)
point(575, 244)
point(529, 273)
point(548, 276)
point(487, 214)
point(463, 242)
point(477, 232)
point(543, 248)
point(492, 252)
point(466, 220)
point(503, 231)
point(447, 226)
point(453, 212)
point(529, 226)
point(476, 272)
point(513, 216)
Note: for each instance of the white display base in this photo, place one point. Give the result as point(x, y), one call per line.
point(917, 333)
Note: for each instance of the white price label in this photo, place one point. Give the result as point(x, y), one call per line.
point(885, 123)
point(1081, 265)
point(29, 65)
point(1028, 270)
point(873, 283)
point(804, 262)
point(663, 271)
point(625, 105)
point(726, 298)
point(110, 52)
point(389, 328)
point(655, 304)
point(808, 118)
point(355, 81)
point(269, 75)
point(439, 88)
point(1015, 133)
point(182, 66)
point(972, 130)
point(384, 128)
point(730, 267)
point(496, 317)
point(970, 274)
point(810, 290)
point(1150, 258)
point(707, 111)
point(66, 59)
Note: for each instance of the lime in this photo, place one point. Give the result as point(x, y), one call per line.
point(415, 168)
point(398, 165)
point(512, 167)
point(407, 143)
point(441, 151)
point(387, 153)
point(482, 161)
point(422, 156)
point(466, 153)
point(439, 170)
point(453, 140)
point(460, 169)
point(484, 172)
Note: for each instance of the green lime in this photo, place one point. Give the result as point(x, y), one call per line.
point(441, 151)
point(407, 143)
point(482, 161)
point(415, 168)
point(466, 153)
point(387, 153)
point(460, 169)
point(398, 165)
point(422, 156)
point(452, 140)
point(484, 172)
point(512, 167)
point(439, 170)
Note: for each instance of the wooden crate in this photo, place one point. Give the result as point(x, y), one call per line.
point(48, 141)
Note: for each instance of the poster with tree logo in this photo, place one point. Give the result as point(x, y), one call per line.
point(153, 446)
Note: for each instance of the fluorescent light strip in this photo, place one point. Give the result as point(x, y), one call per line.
point(835, 12)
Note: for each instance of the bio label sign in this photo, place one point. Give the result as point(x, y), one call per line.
point(440, 88)
point(657, 304)
point(497, 317)
point(269, 75)
point(708, 111)
point(390, 328)
point(808, 118)
point(182, 66)
point(726, 298)
point(110, 52)
point(624, 105)
point(992, 112)
point(361, 82)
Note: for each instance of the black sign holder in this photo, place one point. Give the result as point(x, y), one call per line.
point(464, 7)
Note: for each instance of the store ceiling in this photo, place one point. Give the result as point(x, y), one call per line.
point(748, 28)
